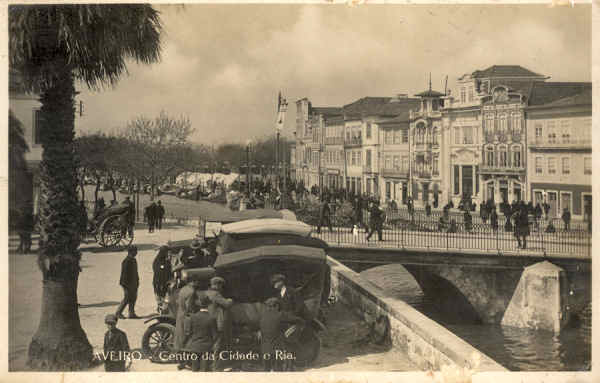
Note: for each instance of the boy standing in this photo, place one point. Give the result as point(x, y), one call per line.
point(115, 344)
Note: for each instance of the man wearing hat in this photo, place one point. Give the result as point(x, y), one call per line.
point(130, 281)
point(115, 344)
point(271, 337)
point(219, 309)
point(183, 298)
point(289, 301)
point(199, 255)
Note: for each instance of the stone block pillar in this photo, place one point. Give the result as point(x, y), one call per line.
point(540, 299)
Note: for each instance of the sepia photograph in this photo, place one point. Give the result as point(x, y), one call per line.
point(314, 188)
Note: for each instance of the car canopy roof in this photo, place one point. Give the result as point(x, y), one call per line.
point(293, 253)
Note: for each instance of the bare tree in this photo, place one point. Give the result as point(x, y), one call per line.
point(158, 147)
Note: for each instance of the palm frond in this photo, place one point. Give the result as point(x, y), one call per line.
point(94, 40)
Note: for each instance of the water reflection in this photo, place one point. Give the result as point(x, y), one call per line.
point(516, 349)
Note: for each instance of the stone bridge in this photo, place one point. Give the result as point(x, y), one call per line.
point(529, 291)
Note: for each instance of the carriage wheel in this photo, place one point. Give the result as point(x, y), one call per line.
point(158, 338)
point(110, 232)
point(126, 239)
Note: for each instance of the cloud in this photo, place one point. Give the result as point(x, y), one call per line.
point(223, 65)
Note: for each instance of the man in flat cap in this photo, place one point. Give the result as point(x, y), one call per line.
point(115, 344)
point(289, 300)
point(271, 337)
point(219, 309)
point(130, 282)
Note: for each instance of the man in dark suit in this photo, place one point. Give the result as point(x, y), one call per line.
point(324, 215)
point(219, 309)
point(115, 343)
point(271, 337)
point(160, 213)
point(151, 216)
point(130, 281)
point(161, 267)
point(376, 221)
point(289, 301)
point(200, 330)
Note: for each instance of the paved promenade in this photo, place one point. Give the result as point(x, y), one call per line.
point(99, 294)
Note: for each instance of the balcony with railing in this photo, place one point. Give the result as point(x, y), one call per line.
point(398, 172)
point(501, 169)
point(560, 143)
point(354, 141)
point(334, 140)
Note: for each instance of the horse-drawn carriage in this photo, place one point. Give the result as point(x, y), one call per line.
point(249, 253)
point(112, 226)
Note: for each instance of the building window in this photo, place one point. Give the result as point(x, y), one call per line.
point(503, 158)
point(368, 158)
point(456, 180)
point(516, 159)
point(457, 136)
point(587, 165)
point(471, 94)
point(467, 135)
point(566, 165)
point(436, 132)
point(490, 156)
point(489, 123)
point(388, 190)
point(503, 122)
point(463, 95)
point(551, 165)
point(404, 136)
point(396, 163)
point(388, 137)
point(388, 161)
point(566, 138)
point(369, 130)
point(551, 132)
point(539, 131)
point(405, 163)
point(396, 136)
point(516, 123)
point(359, 163)
point(420, 133)
point(436, 170)
point(539, 167)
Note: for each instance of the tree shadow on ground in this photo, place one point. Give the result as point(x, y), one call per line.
point(101, 304)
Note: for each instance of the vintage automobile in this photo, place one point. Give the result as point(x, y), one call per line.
point(249, 253)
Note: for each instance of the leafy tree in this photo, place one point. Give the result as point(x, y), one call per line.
point(51, 46)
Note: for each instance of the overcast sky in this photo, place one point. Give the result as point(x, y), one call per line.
point(223, 65)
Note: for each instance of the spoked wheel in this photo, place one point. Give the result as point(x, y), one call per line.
point(110, 232)
point(159, 340)
point(126, 239)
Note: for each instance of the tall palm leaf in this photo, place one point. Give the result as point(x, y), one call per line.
point(51, 46)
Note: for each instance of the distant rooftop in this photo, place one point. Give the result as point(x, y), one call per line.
point(430, 93)
point(505, 71)
point(327, 111)
point(379, 106)
point(549, 92)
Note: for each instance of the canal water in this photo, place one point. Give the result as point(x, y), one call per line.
point(515, 349)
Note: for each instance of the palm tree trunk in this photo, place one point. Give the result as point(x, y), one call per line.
point(59, 342)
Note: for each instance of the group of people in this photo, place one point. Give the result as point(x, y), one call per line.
point(204, 324)
point(154, 215)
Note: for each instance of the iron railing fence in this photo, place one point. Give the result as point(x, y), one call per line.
point(429, 233)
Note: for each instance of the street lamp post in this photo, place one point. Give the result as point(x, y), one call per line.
point(248, 166)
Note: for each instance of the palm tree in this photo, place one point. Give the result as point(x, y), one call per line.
point(51, 46)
